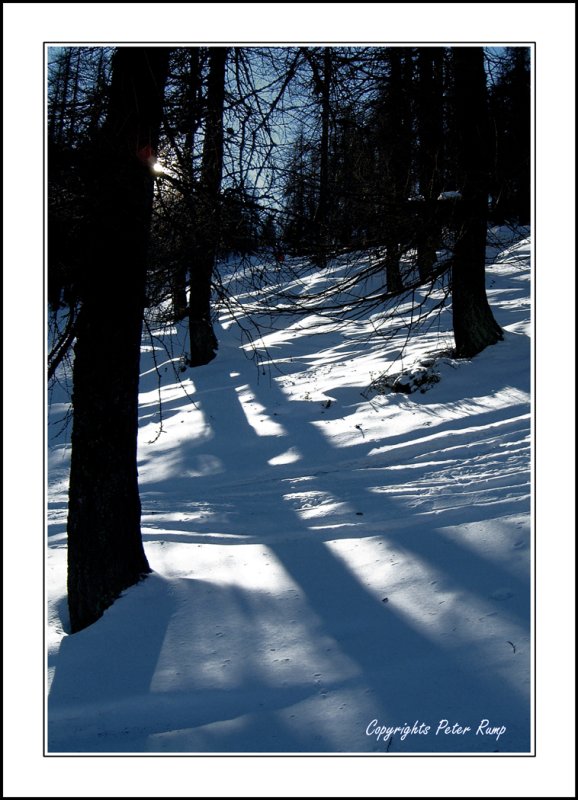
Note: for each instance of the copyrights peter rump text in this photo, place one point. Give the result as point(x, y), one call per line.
point(442, 728)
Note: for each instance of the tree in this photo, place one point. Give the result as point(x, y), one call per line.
point(105, 552)
point(430, 152)
point(300, 196)
point(510, 115)
point(322, 80)
point(394, 152)
point(474, 325)
point(184, 110)
point(203, 342)
point(439, 127)
point(77, 93)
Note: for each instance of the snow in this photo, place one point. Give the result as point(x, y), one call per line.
point(328, 561)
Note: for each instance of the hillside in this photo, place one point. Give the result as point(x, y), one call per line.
point(337, 567)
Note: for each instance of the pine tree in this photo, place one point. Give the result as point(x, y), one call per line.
point(474, 325)
point(203, 342)
point(429, 153)
point(105, 552)
point(510, 114)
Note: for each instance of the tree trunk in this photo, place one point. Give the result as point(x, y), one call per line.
point(203, 342)
point(395, 144)
point(105, 552)
point(321, 216)
point(474, 325)
point(73, 109)
point(98, 98)
point(430, 132)
point(179, 292)
point(192, 118)
point(67, 58)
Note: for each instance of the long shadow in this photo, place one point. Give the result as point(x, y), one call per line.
point(183, 677)
point(363, 659)
point(391, 662)
point(394, 449)
point(471, 572)
point(97, 666)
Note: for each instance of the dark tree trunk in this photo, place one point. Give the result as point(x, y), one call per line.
point(179, 292)
point(430, 133)
point(321, 216)
point(393, 280)
point(474, 325)
point(105, 552)
point(73, 110)
point(203, 342)
point(510, 105)
point(192, 121)
point(67, 59)
point(521, 133)
point(98, 98)
point(193, 103)
point(396, 142)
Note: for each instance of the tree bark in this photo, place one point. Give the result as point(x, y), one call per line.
point(203, 342)
point(321, 217)
point(105, 551)
point(396, 139)
point(192, 118)
point(66, 62)
point(474, 325)
point(430, 132)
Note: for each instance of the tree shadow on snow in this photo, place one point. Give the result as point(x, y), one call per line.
point(387, 648)
point(308, 666)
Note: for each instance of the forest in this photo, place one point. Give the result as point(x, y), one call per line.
point(229, 229)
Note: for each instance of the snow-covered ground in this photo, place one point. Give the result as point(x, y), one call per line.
point(335, 570)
